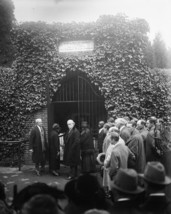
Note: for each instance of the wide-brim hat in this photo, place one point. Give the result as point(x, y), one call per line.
point(155, 174)
point(126, 181)
point(83, 188)
point(100, 158)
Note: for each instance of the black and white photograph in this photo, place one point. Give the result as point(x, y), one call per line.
point(85, 108)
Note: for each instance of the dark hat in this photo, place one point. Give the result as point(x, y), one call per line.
point(155, 173)
point(56, 126)
point(84, 124)
point(100, 158)
point(84, 188)
point(126, 181)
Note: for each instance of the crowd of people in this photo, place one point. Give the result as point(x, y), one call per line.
point(134, 176)
point(130, 193)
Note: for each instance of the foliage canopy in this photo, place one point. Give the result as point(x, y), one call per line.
point(117, 65)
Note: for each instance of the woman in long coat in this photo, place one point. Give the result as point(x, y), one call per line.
point(54, 150)
point(87, 149)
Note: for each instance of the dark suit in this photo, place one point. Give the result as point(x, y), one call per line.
point(54, 148)
point(125, 133)
point(125, 207)
point(136, 145)
point(101, 137)
point(156, 204)
point(39, 155)
point(72, 150)
point(87, 151)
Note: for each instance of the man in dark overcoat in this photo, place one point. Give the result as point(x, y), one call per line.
point(72, 149)
point(38, 146)
point(87, 149)
point(101, 136)
point(136, 145)
point(54, 150)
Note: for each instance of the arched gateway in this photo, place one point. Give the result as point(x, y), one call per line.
point(78, 99)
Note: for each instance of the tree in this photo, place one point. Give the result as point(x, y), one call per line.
point(169, 58)
point(6, 21)
point(159, 52)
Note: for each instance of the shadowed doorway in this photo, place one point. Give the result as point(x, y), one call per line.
point(80, 100)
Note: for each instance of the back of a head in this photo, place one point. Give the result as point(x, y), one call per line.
point(96, 211)
point(120, 122)
point(114, 136)
point(107, 126)
point(35, 189)
point(111, 120)
point(4, 209)
point(40, 204)
point(152, 120)
point(113, 129)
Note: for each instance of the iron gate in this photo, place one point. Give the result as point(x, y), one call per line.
point(80, 100)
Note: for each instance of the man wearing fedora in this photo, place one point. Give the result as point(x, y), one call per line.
point(126, 192)
point(155, 182)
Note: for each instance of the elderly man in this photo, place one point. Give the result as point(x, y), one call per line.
point(72, 149)
point(38, 146)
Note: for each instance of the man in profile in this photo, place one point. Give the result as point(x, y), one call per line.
point(72, 149)
point(38, 146)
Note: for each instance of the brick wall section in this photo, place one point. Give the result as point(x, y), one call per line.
point(30, 124)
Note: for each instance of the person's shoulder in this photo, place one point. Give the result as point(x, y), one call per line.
point(33, 129)
point(75, 130)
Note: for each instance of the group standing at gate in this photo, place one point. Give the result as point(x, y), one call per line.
point(125, 140)
point(78, 149)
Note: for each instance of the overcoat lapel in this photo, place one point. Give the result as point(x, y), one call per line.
point(69, 134)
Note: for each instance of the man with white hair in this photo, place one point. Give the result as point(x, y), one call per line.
point(72, 149)
point(38, 146)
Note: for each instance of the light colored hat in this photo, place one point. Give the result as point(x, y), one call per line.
point(155, 173)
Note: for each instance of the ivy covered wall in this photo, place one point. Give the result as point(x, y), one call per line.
point(117, 66)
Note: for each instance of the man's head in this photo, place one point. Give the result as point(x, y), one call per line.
point(152, 121)
point(155, 176)
point(101, 124)
point(119, 122)
point(114, 137)
point(125, 184)
point(39, 122)
point(106, 127)
point(141, 124)
point(40, 204)
point(84, 124)
point(113, 129)
point(70, 124)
